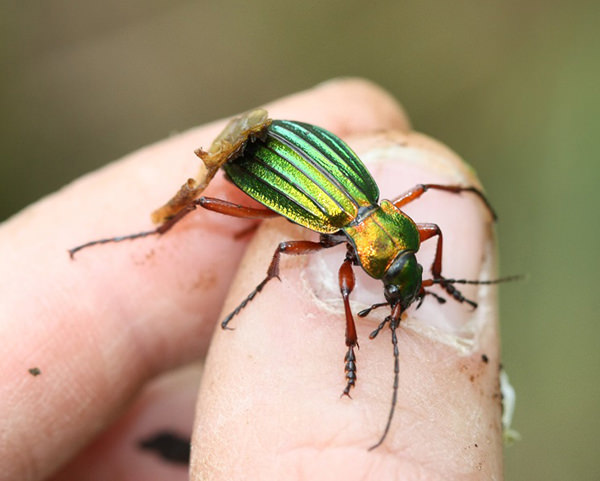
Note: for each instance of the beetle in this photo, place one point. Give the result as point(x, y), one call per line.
point(312, 178)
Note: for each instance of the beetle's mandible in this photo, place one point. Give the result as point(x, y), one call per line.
point(311, 177)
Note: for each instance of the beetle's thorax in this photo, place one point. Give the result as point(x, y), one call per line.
point(380, 236)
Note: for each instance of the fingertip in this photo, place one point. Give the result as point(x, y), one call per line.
point(345, 106)
point(372, 108)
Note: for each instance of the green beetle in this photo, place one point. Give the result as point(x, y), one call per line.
point(311, 177)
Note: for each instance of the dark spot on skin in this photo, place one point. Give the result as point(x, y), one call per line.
point(484, 358)
point(206, 280)
point(476, 445)
point(169, 446)
point(35, 371)
point(471, 378)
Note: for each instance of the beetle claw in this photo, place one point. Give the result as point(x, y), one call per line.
point(350, 369)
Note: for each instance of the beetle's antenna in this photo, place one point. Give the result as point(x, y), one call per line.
point(468, 281)
point(448, 285)
point(393, 326)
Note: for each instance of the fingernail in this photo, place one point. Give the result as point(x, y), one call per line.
point(398, 162)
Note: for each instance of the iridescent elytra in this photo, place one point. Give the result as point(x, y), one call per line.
point(312, 178)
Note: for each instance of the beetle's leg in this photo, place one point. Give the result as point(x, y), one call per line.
point(216, 205)
point(347, 282)
point(418, 190)
point(290, 248)
point(161, 229)
point(450, 289)
point(427, 231)
point(234, 210)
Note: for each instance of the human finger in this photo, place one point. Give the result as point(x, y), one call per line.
point(98, 328)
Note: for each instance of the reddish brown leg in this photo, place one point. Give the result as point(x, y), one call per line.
point(427, 231)
point(234, 210)
point(290, 248)
point(418, 190)
point(216, 205)
point(346, 280)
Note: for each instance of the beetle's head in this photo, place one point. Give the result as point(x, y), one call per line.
point(402, 280)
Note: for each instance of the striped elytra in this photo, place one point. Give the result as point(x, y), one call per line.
point(306, 174)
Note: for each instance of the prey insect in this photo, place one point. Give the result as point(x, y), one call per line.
point(312, 178)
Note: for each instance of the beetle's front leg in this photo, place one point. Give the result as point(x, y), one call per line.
point(347, 282)
point(427, 231)
point(418, 190)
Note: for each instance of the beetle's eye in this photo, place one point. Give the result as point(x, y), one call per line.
point(391, 291)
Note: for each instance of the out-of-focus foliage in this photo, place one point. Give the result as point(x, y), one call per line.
point(513, 86)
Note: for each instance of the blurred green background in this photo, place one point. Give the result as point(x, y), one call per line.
point(513, 86)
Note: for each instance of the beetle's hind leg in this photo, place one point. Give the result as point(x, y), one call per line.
point(161, 229)
point(290, 248)
point(208, 203)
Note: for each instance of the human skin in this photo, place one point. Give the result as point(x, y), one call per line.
point(102, 327)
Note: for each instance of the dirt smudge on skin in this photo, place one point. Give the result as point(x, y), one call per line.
point(206, 279)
